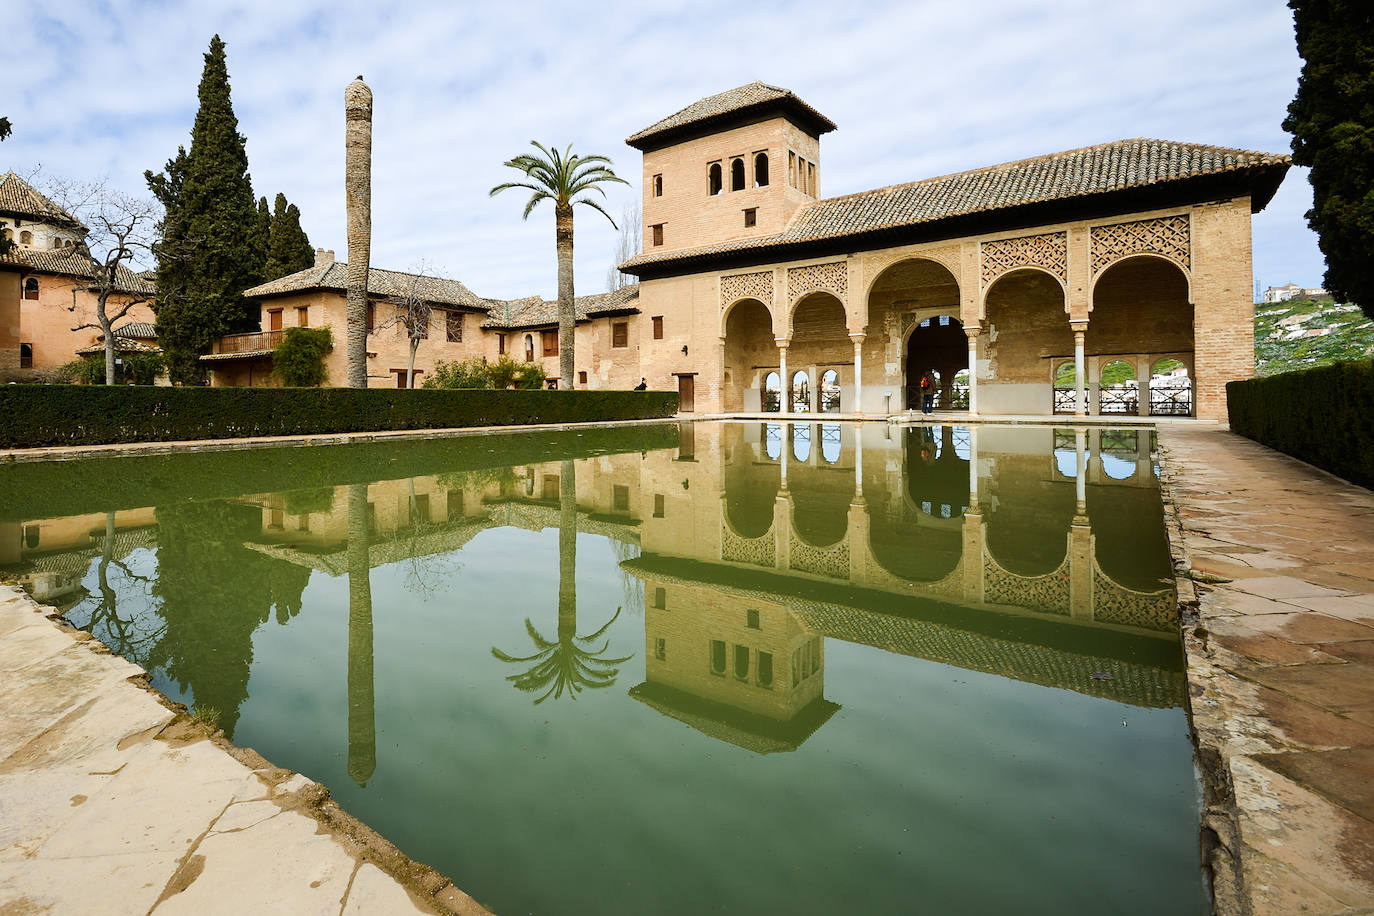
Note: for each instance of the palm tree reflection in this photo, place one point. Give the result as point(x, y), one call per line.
point(571, 663)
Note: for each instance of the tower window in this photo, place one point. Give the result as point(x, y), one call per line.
point(811, 178)
point(31, 288)
point(737, 175)
point(26, 356)
point(658, 233)
point(658, 185)
point(751, 218)
point(582, 377)
point(791, 168)
point(715, 183)
point(760, 170)
point(658, 327)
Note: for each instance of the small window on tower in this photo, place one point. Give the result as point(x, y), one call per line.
point(737, 175)
point(658, 233)
point(658, 327)
point(658, 185)
point(760, 170)
point(582, 377)
point(715, 182)
point(751, 218)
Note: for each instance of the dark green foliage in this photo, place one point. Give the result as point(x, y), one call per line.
point(1332, 122)
point(478, 373)
point(5, 128)
point(262, 235)
point(299, 359)
point(208, 231)
point(131, 369)
point(214, 591)
point(44, 489)
point(1320, 415)
point(288, 247)
point(76, 415)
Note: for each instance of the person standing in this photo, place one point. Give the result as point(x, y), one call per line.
point(927, 393)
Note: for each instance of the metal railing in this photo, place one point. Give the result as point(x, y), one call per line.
point(1171, 402)
point(1065, 400)
point(1124, 399)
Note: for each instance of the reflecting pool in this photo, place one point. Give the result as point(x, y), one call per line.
point(711, 667)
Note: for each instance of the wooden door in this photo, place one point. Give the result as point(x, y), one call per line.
point(686, 393)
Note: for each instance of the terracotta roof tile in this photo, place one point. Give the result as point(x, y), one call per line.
point(534, 311)
point(1060, 176)
point(727, 103)
point(136, 331)
point(74, 262)
point(19, 198)
point(390, 283)
point(122, 345)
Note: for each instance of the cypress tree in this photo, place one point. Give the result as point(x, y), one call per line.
point(1332, 122)
point(178, 322)
point(262, 235)
point(289, 249)
point(212, 231)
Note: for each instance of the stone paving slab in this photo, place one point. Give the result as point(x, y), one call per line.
point(112, 802)
point(1275, 561)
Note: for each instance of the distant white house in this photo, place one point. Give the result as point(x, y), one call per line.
point(1293, 291)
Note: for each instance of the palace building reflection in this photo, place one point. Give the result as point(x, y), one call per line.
point(1031, 553)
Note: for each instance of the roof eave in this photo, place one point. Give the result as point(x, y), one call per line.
point(803, 115)
point(1259, 183)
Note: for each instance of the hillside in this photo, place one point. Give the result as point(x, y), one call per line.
point(1303, 333)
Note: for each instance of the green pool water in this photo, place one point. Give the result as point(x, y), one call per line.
point(697, 668)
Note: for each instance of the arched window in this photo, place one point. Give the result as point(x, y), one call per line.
point(529, 348)
point(801, 441)
point(737, 175)
point(760, 170)
point(830, 391)
point(1118, 389)
point(801, 392)
point(714, 180)
point(772, 440)
point(772, 392)
point(1065, 387)
point(1171, 389)
point(31, 286)
point(26, 237)
point(68, 244)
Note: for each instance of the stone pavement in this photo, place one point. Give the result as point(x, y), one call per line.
point(114, 802)
point(1277, 560)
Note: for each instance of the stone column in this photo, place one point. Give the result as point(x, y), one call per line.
point(1142, 373)
point(358, 206)
point(785, 396)
point(859, 464)
point(1080, 447)
point(973, 333)
point(858, 407)
point(973, 468)
point(1080, 406)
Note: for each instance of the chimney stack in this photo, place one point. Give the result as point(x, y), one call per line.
point(323, 257)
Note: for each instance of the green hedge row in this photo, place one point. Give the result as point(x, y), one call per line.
point(32, 415)
point(1325, 416)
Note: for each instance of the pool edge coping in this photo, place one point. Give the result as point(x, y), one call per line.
point(360, 842)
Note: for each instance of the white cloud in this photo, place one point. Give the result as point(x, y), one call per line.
point(918, 89)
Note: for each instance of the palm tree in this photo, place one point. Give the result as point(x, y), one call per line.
point(358, 206)
point(571, 662)
point(561, 178)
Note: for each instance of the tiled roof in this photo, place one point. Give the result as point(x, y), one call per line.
point(534, 311)
point(123, 345)
point(731, 102)
point(1078, 173)
point(19, 198)
point(391, 283)
point(243, 354)
point(74, 262)
point(136, 331)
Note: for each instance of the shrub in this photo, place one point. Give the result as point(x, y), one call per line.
point(131, 369)
point(299, 359)
point(1321, 415)
point(478, 373)
point(76, 415)
point(470, 373)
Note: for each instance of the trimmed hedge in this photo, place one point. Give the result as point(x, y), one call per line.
point(1325, 416)
point(33, 416)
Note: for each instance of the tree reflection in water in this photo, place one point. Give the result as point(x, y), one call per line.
point(571, 663)
point(362, 719)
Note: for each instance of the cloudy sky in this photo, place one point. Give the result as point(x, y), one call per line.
point(917, 88)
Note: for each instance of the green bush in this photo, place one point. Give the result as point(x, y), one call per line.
point(299, 359)
point(469, 373)
point(131, 369)
point(478, 373)
point(33, 416)
point(1325, 416)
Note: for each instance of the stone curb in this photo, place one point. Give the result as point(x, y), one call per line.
point(390, 872)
